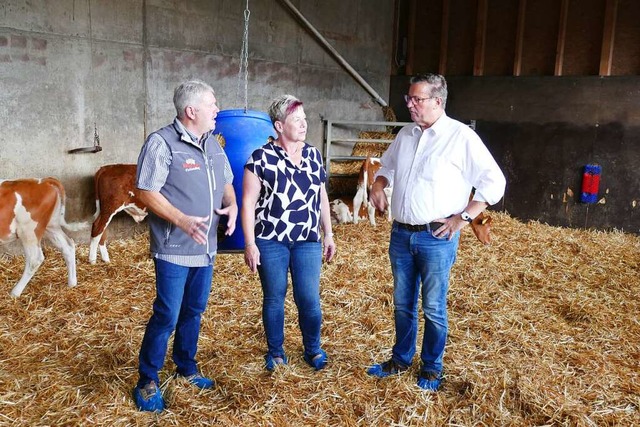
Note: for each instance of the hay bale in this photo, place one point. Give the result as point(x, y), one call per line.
point(372, 149)
point(349, 167)
point(365, 149)
point(342, 186)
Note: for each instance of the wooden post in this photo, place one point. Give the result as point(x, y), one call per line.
point(517, 60)
point(411, 37)
point(481, 38)
point(608, 36)
point(444, 38)
point(562, 36)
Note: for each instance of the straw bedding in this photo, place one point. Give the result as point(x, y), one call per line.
point(544, 330)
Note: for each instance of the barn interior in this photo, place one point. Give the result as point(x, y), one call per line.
point(551, 85)
point(544, 320)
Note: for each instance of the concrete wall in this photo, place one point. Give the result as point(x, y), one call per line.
point(544, 130)
point(67, 64)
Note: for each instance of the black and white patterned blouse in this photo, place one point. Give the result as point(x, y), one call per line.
point(288, 208)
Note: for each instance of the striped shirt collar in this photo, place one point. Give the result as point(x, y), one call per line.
point(187, 135)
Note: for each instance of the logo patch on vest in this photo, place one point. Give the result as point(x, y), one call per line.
point(190, 165)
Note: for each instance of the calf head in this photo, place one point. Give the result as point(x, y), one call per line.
point(481, 226)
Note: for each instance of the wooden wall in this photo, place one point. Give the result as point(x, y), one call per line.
point(553, 85)
point(519, 37)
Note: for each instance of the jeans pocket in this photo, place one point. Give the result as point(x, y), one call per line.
point(442, 237)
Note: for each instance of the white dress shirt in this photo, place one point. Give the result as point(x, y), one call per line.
point(432, 171)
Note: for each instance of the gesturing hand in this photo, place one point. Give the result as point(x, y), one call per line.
point(196, 227)
point(232, 212)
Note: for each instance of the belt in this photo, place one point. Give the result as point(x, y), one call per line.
point(432, 226)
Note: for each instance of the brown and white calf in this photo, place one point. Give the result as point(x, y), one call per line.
point(340, 211)
point(115, 187)
point(31, 209)
point(481, 226)
point(369, 167)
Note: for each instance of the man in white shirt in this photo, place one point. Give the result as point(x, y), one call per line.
point(432, 165)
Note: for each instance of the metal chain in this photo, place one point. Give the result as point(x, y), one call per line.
point(96, 137)
point(243, 72)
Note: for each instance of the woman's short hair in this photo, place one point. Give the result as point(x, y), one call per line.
point(282, 106)
point(189, 94)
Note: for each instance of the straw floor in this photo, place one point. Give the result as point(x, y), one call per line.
point(544, 330)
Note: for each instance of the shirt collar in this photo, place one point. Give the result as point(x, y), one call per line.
point(185, 135)
point(437, 127)
point(440, 124)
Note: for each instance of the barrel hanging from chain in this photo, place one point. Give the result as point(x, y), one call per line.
point(590, 183)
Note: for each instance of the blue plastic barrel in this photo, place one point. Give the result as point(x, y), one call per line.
point(243, 132)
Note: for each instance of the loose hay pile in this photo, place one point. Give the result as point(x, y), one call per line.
point(544, 330)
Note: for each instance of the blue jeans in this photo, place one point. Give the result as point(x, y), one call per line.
point(181, 297)
point(304, 260)
point(421, 264)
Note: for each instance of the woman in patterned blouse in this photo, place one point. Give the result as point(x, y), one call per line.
point(284, 205)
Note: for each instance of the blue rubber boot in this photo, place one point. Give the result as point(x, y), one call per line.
point(199, 381)
point(149, 398)
point(429, 380)
point(270, 362)
point(386, 369)
point(317, 361)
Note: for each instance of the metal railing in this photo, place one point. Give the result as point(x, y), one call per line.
point(358, 126)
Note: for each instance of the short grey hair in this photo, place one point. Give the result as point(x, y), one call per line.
point(282, 106)
point(188, 94)
point(437, 82)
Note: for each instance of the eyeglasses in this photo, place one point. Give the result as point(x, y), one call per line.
point(416, 99)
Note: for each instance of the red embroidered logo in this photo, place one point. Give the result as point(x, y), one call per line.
point(190, 165)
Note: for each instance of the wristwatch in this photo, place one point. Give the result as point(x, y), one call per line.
point(465, 215)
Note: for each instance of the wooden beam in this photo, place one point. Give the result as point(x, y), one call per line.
point(444, 38)
point(481, 37)
point(411, 38)
point(396, 37)
point(608, 36)
point(562, 36)
point(517, 60)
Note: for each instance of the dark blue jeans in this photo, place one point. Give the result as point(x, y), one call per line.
point(421, 264)
point(181, 297)
point(303, 260)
